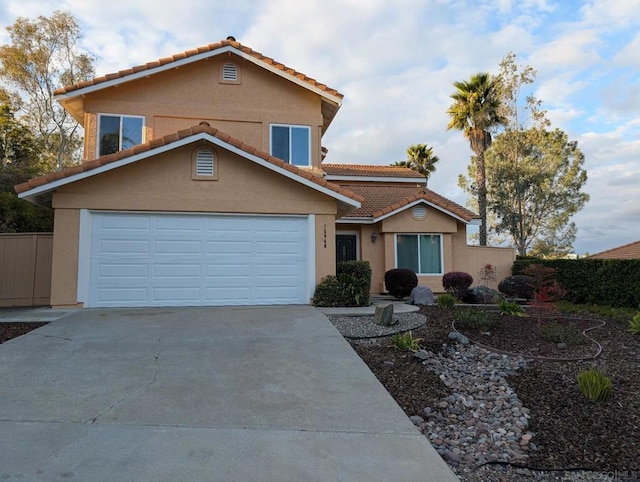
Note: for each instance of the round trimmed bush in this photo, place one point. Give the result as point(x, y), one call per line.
point(517, 286)
point(457, 283)
point(400, 282)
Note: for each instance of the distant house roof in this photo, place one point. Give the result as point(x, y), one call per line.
point(626, 251)
point(355, 172)
point(39, 190)
point(69, 95)
point(383, 200)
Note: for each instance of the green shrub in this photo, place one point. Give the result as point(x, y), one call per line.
point(446, 302)
point(406, 341)
point(476, 319)
point(511, 308)
point(634, 324)
point(517, 286)
point(357, 280)
point(613, 282)
point(351, 286)
point(567, 333)
point(400, 282)
point(456, 283)
point(330, 292)
point(615, 312)
point(595, 385)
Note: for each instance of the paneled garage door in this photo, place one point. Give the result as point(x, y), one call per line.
point(197, 260)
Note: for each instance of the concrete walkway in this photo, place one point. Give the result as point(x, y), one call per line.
point(215, 394)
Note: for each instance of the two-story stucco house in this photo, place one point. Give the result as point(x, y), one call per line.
point(203, 184)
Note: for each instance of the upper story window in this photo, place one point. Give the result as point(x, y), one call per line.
point(118, 132)
point(291, 144)
point(421, 253)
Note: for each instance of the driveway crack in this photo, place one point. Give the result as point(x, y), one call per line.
point(156, 359)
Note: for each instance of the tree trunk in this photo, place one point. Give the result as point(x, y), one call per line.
point(481, 180)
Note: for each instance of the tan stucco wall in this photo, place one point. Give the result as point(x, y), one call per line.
point(164, 183)
point(325, 246)
point(64, 268)
point(184, 97)
point(457, 255)
point(435, 222)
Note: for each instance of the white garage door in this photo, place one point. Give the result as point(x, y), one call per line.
point(197, 260)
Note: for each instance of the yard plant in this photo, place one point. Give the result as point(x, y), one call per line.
point(595, 385)
point(406, 341)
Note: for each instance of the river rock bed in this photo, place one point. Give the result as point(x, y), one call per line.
point(460, 398)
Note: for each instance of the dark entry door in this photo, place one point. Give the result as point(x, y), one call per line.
point(346, 249)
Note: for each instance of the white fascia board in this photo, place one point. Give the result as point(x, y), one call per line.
point(420, 201)
point(195, 58)
point(409, 180)
point(180, 143)
point(355, 220)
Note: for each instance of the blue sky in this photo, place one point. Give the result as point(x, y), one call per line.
point(395, 62)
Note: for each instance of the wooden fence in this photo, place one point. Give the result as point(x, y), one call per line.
point(25, 269)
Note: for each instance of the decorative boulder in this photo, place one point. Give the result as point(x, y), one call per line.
point(481, 295)
point(384, 315)
point(517, 286)
point(421, 295)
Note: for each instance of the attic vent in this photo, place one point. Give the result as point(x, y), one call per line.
point(204, 163)
point(230, 72)
point(419, 212)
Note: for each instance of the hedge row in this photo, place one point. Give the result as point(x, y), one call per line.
point(613, 282)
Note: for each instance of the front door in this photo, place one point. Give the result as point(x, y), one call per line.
point(346, 247)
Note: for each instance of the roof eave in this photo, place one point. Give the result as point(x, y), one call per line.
point(42, 194)
point(408, 180)
point(382, 217)
point(333, 102)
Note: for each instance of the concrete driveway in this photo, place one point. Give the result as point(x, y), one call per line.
point(233, 394)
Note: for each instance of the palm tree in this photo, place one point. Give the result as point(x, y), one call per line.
point(421, 159)
point(475, 111)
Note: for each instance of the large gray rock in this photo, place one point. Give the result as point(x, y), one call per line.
point(482, 295)
point(421, 295)
point(384, 315)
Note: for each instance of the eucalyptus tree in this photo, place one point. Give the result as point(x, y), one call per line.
point(45, 54)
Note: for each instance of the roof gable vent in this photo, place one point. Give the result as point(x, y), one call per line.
point(419, 212)
point(204, 163)
point(230, 72)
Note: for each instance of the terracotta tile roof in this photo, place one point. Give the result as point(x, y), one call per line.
point(169, 139)
point(626, 251)
point(381, 200)
point(197, 51)
point(362, 170)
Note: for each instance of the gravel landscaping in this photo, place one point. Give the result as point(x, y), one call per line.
point(501, 417)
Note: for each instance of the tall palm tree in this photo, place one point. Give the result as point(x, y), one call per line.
point(475, 111)
point(421, 159)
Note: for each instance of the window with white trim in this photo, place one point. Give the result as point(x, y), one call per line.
point(421, 253)
point(118, 132)
point(292, 144)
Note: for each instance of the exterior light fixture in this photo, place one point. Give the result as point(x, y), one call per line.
point(374, 236)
